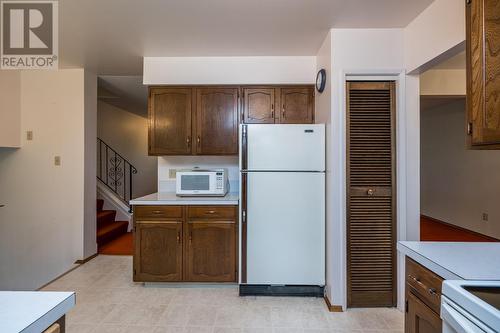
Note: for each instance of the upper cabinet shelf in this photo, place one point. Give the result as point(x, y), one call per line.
point(483, 73)
point(204, 120)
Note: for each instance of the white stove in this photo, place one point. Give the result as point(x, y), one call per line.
point(470, 306)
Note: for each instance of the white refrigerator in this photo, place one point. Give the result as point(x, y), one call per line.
point(282, 210)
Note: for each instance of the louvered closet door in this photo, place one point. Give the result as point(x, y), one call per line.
point(371, 220)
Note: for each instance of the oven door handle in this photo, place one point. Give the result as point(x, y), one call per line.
point(461, 322)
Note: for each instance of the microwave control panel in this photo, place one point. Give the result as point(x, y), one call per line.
point(220, 180)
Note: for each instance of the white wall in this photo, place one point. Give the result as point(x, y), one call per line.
point(439, 29)
point(458, 185)
point(41, 226)
point(229, 70)
point(443, 82)
point(323, 105)
point(10, 109)
point(127, 133)
point(90, 160)
point(165, 163)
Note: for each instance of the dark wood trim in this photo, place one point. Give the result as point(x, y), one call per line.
point(83, 261)
point(332, 308)
point(460, 228)
point(243, 271)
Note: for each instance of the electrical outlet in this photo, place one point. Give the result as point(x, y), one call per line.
point(172, 173)
point(29, 135)
point(485, 217)
point(57, 160)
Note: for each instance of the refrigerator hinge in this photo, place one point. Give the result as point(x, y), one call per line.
point(244, 131)
point(244, 216)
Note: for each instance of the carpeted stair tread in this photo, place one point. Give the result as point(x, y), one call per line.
point(105, 217)
point(110, 231)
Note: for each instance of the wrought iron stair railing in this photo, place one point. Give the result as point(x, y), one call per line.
point(114, 171)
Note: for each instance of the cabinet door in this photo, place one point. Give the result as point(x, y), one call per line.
point(420, 318)
point(258, 105)
point(297, 105)
point(158, 251)
point(217, 121)
point(170, 121)
point(211, 251)
point(483, 65)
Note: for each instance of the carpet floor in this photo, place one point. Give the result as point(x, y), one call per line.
point(123, 245)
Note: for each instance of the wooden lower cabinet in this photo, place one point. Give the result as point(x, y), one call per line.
point(420, 318)
point(423, 299)
point(185, 244)
point(211, 252)
point(158, 251)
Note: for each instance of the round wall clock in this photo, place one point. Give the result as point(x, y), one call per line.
point(321, 80)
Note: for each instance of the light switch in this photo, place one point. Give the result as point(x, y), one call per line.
point(57, 160)
point(29, 135)
point(172, 173)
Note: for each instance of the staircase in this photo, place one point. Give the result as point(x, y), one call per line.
point(107, 228)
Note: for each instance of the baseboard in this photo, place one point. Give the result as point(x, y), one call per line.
point(83, 261)
point(332, 308)
point(460, 228)
point(57, 278)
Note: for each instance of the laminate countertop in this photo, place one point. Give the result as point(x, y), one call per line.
point(32, 311)
point(169, 198)
point(456, 260)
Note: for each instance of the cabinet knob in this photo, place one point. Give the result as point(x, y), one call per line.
point(198, 140)
point(188, 141)
point(370, 192)
point(179, 237)
point(211, 212)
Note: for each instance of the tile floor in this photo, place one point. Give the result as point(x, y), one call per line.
point(108, 301)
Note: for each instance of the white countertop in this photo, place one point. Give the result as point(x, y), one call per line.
point(169, 198)
point(32, 311)
point(456, 260)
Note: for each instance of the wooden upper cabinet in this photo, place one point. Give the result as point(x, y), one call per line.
point(158, 251)
point(483, 73)
point(211, 251)
point(297, 105)
point(170, 121)
point(258, 105)
point(217, 121)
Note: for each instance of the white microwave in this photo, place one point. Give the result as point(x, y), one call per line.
point(198, 182)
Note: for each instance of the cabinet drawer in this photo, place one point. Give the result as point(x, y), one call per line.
point(426, 284)
point(208, 212)
point(157, 212)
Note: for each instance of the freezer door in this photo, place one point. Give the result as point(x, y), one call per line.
point(283, 147)
point(285, 226)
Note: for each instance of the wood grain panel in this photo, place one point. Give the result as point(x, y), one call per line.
point(217, 121)
point(170, 121)
point(371, 187)
point(258, 105)
point(297, 105)
point(483, 73)
point(211, 251)
point(158, 251)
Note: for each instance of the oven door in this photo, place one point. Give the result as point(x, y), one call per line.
point(457, 320)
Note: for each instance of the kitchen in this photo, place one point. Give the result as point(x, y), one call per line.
point(290, 176)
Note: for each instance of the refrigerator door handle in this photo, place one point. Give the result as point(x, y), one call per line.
point(244, 205)
point(244, 147)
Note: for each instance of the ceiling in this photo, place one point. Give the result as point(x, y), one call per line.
point(455, 62)
point(125, 92)
point(110, 37)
